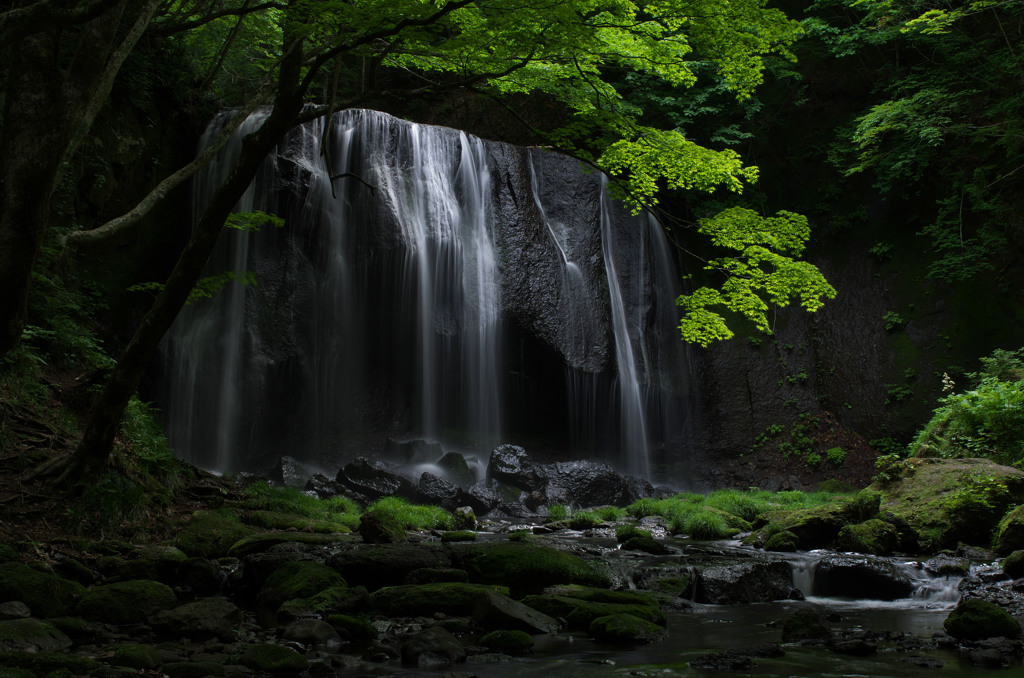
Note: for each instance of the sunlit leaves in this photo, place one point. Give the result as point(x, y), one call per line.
point(760, 271)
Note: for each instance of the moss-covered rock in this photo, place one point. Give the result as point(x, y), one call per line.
point(804, 624)
point(435, 575)
point(1013, 566)
point(200, 619)
point(136, 656)
point(271, 520)
point(1010, 532)
point(46, 594)
point(352, 628)
point(874, 536)
point(451, 598)
point(31, 635)
point(379, 527)
point(335, 600)
point(263, 541)
point(948, 501)
point(276, 660)
point(625, 629)
point(579, 614)
point(782, 541)
point(497, 611)
point(458, 535)
point(526, 568)
point(211, 534)
point(508, 642)
point(299, 579)
point(974, 619)
point(378, 565)
point(127, 602)
point(818, 526)
point(45, 663)
point(643, 541)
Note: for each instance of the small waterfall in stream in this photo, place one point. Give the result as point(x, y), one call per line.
point(438, 287)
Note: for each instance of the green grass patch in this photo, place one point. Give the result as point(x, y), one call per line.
point(262, 496)
point(413, 516)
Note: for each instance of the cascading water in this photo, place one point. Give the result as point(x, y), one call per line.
point(426, 291)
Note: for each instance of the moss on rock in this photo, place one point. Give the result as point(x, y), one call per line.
point(526, 568)
point(271, 520)
point(211, 534)
point(1010, 532)
point(46, 594)
point(297, 579)
point(276, 660)
point(336, 599)
point(783, 540)
point(579, 614)
point(818, 526)
point(625, 629)
point(136, 656)
point(1013, 566)
point(380, 527)
point(127, 602)
point(508, 642)
point(874, 536)
point(451, 598)
point(948, 501)
point(974, 619)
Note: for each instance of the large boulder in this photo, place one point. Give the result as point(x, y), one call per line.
point(278, 661)
point(210, 534)
point(590, 483)
point(496, 611)
point(378, 565)
point(373, 481)
point(46, 594)
point(948, 501)
point(457, 469)
point(126, 602)
point(818, 526)
point(974, 619)
point(433, 489)
point(524, 568)
point(752, 581)
point(625, 629)
point(431, 647)
point(200, 619)
point(875, 537)
point(1010, 532)
point(381, 527)
point(299, 579)
point(31, 635)
point(580, 612)
point(451, 598)
point(861, 577)
point(511, 465)
point(289, 472)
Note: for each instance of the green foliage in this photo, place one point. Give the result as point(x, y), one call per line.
point(265, 497)
point(761, 270)
point(890, 467)
point(558, 512)
point(986, 421)
point(892, 321)
point(835, 456)
point(584, 520)
point(948, 123)
point(412, 516)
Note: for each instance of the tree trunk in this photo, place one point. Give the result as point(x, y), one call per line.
point(93, 452)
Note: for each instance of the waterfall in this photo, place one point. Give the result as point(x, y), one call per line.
point(428, 285)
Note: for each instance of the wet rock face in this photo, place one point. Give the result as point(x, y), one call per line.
point(861, 577)
point(364, 478)
point(750, 582)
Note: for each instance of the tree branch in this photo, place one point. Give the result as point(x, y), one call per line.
point(165, 28)
point(45, 15)
point(126, 221)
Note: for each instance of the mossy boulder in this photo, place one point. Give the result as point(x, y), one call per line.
point(817, 526)
point(579, 614)
point(432, 647)
point(297, 579)
point(875, 537)
point(458, 535)
point(276, 660)
point(1013, 566)
point(625, 629)
point(126, 602)
point(272, 520)
point(451, 598)
point(508, 642)
point(352, 628)
point(211, 534)
point(264, 541)
point(379, 527)
point(526, 568)
point(1010, 532)
point(378, 565)
point(804, 624)
point(948, 501)
point(200, 619)
point(46, 594)
point(50, 663)
point(974, 619)
point(643, 541)
point(31, 635)
point(136, 656)
point(782, 541)
point(334, 600)
point(494, 610)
